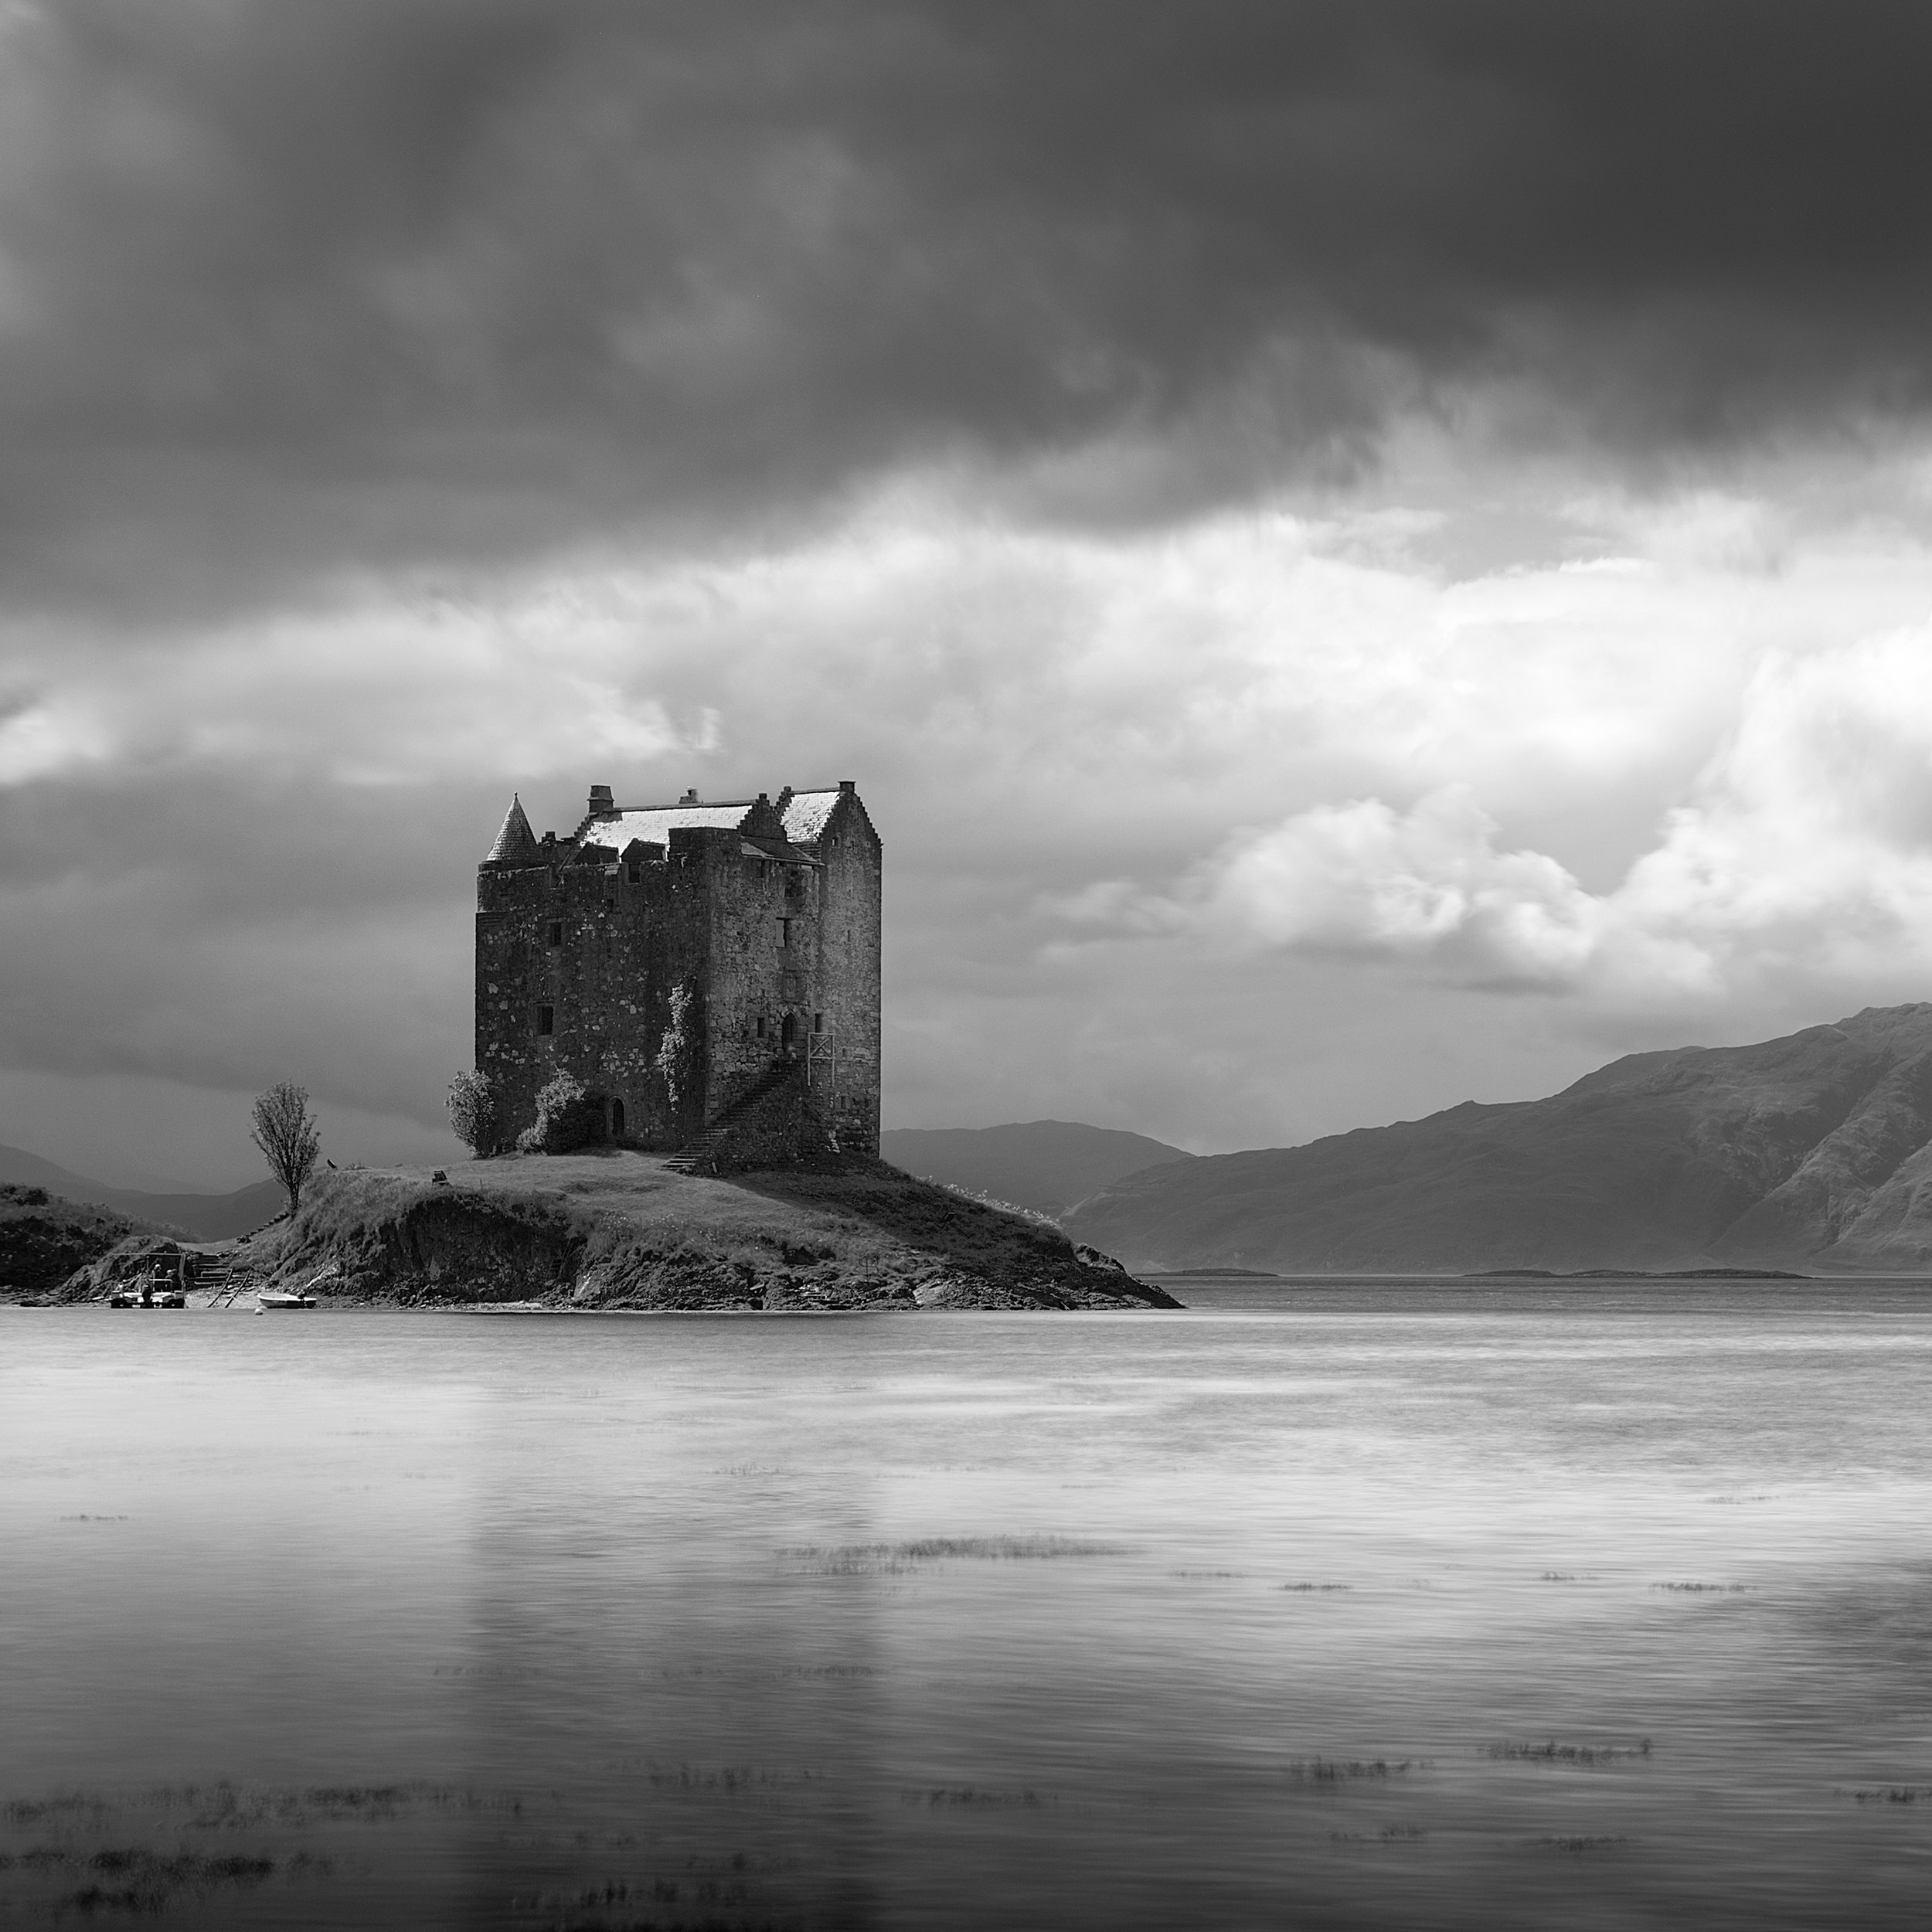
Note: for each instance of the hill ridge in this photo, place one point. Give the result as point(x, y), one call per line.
point(1049, 1165)
point(207, 1217)
point(1805, 1150)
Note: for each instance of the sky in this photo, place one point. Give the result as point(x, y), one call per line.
point(1361, 556)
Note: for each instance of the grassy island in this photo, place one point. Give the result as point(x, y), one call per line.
point(612, 1229)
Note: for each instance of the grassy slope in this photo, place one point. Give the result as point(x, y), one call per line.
point(44, 1238)
point(605, 1229)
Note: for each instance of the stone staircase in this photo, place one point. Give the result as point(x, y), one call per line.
point(227, 1281)
point(698, 1155)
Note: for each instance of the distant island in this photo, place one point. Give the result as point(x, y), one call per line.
point(1811, 1152)
point(1227, 1274)
point(1636, 1274)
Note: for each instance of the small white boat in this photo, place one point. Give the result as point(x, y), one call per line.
point(273, 1298)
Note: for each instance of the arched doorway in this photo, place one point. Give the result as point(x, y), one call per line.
point(617, 1119)
point(788, 1030)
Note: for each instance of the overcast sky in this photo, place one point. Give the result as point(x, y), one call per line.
point(1361, 556)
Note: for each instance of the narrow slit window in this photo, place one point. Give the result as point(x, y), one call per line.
point(761, 1026)
point(785, 932)
point(817, 1023)
point(546, 1019)
point(556, 932)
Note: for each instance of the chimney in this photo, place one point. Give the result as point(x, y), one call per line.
point(847, 785)
point(690, 797)
point(602, 804)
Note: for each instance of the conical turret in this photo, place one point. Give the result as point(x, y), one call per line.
point(515, 844)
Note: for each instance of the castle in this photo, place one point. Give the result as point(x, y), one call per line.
point(705, 970)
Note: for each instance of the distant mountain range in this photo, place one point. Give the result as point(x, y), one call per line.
point(1813, 1150)
point(207, 1217)
point(1048, 1165)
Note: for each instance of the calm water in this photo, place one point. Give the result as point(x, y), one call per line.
point(1369, 1605)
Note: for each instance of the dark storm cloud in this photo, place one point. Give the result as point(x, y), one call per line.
point(211, 929)
point(286, 284)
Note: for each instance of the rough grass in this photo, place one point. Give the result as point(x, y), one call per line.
point(1336, 1771)
point(971, 1797)
point(941, 1220)
point(863, 1559)
point(606, 1229)
point(1550, 1752)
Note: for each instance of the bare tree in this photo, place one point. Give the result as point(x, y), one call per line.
point(286, 1132)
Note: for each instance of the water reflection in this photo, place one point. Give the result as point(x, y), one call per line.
point(1371, 1612)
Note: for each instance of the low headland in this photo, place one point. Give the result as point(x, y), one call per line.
point(46, 1240)
point(608, 1229)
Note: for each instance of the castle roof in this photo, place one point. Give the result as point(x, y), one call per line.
point(655, 824)
point(807, 814)
point(804, 814)
point(515, 844)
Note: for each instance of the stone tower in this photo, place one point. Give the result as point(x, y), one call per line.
point(700, 967)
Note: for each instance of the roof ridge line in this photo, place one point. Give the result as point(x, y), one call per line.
point(681, 804)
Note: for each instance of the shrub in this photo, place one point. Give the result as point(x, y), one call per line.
point(475, 1112)
point(562, 1118)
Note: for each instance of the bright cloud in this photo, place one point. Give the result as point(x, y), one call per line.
point(1805, 848)
point(1361, 876)
point(1675, 768)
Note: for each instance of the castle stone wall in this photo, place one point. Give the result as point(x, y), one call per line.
point(844, 1057)
point(676, 978)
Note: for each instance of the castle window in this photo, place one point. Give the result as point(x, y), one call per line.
point(785, 932)
point(556, 932)
point(817, 1023)
point(637, 872)
point(546, 1019)
point(761, 1025)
